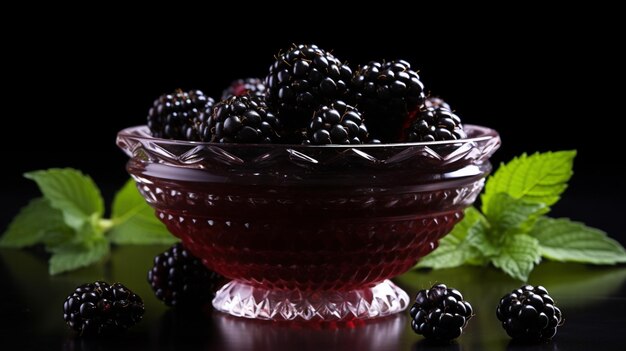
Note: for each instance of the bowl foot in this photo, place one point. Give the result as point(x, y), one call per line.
point(243, 300)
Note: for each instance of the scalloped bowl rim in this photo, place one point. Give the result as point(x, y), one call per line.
point(141, 132)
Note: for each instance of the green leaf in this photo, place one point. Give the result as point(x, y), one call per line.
point(33, 224)
point(539, 178)
point(127, 201)
point(518, 256)
point(134, 221)
point(71, 192)
point(508, 215)
point(512, 234)
point(58, 237)
point(565, 240)
point(481, 239)
point(76, 255)
point(454, 250)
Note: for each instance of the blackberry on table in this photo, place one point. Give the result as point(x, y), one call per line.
point(174, 116)
point(389, 94)
point(303, 78)
point(99, 308)
point(337, 123)
point(435, 124)
point(440, 313)
point(529, 314)
point(249, 86)
point(240, 119)
point(180, 279)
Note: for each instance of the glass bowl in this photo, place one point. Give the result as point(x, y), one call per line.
point(309, 232)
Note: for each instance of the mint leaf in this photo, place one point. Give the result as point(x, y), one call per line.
point(518, 256)
point(69, 221)
point(454, 250)
point(565, 240)
point(59, 236)
point(539, 178)
point(512, 233)
point(31, 226)
point(508, 215)
point(71, 192)
point(76, 255)
point(134, 221)
point(481, 239)
point(127, 201)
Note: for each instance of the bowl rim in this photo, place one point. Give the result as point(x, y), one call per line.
point(141, 132)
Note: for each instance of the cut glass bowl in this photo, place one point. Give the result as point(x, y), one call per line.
point(309, 232)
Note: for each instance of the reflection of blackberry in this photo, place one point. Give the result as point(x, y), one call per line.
point(440, 313)
point(250, 86)
point(435, 123)
point(174, 116)
point(336, 124)
point(388, 94)
point(180, 279)
point(433, 101)
point(529, 314)
point(301, 80)
point(100, 308)
point(241, 119)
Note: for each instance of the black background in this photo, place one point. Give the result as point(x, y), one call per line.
point(546, 80)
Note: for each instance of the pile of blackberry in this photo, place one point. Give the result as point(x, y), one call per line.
point(297, 102)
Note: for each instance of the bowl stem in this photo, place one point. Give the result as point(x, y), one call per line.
point(243, 300)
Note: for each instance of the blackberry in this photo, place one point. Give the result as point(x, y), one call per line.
point(241, 119)
point(197, 133)
point(174, 116)
point(433, 101)
point(388, 94)
point(250, 86)
point(301, 80)
point(435, 124)
point(180, 279)
point(440, 313)
point(203, 123)
point(336, 124)
point(99, 308)
point(529, 314)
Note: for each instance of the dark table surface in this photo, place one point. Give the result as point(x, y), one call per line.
point(593, 301)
